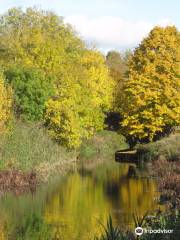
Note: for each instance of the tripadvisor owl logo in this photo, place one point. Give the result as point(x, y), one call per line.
point(139, 231)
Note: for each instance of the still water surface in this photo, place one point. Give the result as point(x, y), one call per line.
point(72, 207)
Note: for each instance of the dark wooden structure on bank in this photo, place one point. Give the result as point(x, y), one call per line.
point(126, 156)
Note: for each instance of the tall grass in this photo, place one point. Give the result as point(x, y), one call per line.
point(167, 148)
point(28, 147)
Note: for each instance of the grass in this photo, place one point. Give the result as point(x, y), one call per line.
point(103, 145)
point(28, 147)
point(167, 148)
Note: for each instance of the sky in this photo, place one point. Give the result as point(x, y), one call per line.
point(109, 24)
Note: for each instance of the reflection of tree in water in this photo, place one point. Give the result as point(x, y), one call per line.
point(85, 197)
point(129, 195)
point(76, 208)
point(72, 208)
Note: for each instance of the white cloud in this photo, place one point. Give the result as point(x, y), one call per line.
point(111, 32)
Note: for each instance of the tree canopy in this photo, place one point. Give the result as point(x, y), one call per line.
point(31, 88)
point(118, 66)
point(152, 93)
point(78, 111)
point(42, 45)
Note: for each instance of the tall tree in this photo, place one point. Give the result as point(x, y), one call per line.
point(152, 92)
point(78, 111)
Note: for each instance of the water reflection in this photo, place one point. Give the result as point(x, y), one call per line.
point(73, 207)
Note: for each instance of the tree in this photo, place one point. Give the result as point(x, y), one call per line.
point(152, 92)
point(5, 104)
point(117, 64)
point(78, 111)
point(38, 39)
point(32, 89)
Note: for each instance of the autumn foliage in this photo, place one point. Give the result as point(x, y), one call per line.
point(152, 92)
point(58, 80)
point(37, 46)
point(78, 110)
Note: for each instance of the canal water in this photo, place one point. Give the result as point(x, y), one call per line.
point(74, 206)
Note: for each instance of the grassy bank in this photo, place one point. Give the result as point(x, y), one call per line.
point(28, 147)
point(102, 146)
point(165, 155)
point(167, 148)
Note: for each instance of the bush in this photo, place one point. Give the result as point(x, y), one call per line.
point(31, 90)
point(167, 148)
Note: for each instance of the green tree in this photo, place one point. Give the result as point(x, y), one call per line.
point(32, 89)
point(152, 92)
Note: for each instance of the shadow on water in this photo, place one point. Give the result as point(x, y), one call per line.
point(72, 207)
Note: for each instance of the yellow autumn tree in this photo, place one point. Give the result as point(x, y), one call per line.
point(151, 99)
point(38, 39)
point(5, 104)
point(83, 97)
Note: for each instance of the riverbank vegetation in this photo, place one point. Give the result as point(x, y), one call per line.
point(102, 145)
point(28, 147)
point(165, 155)
point(168, 148)
point(54, 91)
